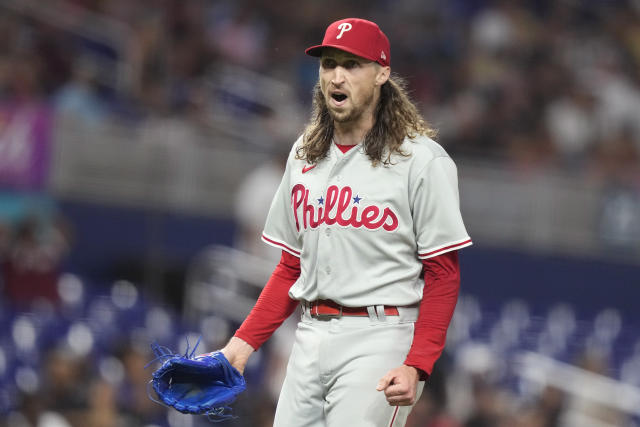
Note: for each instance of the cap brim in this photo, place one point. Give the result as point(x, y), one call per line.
point(317, 51)
point(314, 51)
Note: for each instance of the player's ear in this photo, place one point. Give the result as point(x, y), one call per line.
point(382, 75)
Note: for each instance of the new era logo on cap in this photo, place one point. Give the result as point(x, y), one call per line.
point(358, 36)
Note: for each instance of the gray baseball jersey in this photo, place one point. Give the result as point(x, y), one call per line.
point(361, 230)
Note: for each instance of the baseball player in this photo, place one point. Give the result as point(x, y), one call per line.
point(367, 217)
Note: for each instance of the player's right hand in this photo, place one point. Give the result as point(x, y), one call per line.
point(400, 385)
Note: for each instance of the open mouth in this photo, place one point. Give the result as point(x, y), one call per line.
point(338, 99)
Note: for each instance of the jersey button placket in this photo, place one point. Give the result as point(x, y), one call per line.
point(324, 246)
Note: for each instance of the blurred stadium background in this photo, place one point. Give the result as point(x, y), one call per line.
point(141, 141)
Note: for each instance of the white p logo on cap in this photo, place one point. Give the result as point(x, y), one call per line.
point(345, 26)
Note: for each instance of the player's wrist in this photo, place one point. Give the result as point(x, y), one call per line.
point(237, 352)
point(420, 374)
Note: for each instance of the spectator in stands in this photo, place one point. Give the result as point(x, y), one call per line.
point(78, 99)
point(33, 413)
point(571, 123)
point(5, 242)
point(551, 404)
point(239, 35)
point(428, 413)
point(252, 202)
point(102, 408)
point(580, 410)
point(490, 407)
point(133, 401)
point(31, 266)
point(64, 391)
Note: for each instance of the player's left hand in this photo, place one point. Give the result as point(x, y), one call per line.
point(400, 385)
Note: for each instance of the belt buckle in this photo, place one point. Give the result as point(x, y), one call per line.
point(325, 315)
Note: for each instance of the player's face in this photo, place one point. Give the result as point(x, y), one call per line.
point(350, 84)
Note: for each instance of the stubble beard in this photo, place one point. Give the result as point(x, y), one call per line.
point(345, 116)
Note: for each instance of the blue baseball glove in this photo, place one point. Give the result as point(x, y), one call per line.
point(204, 385)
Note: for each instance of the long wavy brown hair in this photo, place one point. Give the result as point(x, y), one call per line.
point(396, 118)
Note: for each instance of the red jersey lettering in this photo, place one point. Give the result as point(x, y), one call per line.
point(339, 207)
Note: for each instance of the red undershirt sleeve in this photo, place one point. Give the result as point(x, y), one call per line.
point(274, 304)
point(442, 285)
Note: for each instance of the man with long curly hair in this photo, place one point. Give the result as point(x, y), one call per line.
point(367, 217)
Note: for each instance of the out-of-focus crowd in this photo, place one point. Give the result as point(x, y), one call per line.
point(534, 84)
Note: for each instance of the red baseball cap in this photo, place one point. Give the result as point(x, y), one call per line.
point(358, 36)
